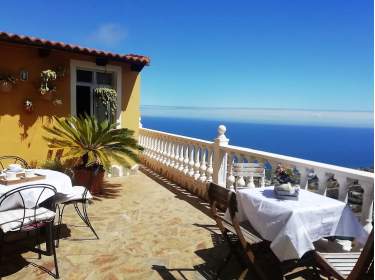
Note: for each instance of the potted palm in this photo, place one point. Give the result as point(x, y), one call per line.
point(94, 145)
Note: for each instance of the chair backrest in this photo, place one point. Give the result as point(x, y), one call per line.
point(249, 170)
point(219, 199)
point(251, 236)
point(365, 264)
point(26, 197)
point(218, 196)
point(6, 160)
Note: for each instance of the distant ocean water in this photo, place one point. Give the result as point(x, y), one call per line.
point(344, 146)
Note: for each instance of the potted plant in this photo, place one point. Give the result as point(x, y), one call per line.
point(46, 88)
point(108, 97)
point(7, 82)
point(94, 145)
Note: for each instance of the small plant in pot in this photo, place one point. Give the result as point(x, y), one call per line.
point(7, 82)
point(46, 88)
point(94, 145)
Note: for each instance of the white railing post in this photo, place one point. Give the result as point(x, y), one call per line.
point(220, 157)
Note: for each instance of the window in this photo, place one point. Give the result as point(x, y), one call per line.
point(86, 101)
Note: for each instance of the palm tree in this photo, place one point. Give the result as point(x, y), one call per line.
point(92, 143)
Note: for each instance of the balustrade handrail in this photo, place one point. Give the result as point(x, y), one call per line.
point(329, 168)
point(184, 138)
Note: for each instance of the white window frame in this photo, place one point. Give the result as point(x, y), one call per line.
point(91, 66)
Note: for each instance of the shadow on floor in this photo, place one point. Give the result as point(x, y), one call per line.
point(214, 258)
point(180, 193)
point(11, 259)
point(109, 191)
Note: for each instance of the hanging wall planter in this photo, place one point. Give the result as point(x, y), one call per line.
point(7, 82)
point(47, 89)
point(108, 97)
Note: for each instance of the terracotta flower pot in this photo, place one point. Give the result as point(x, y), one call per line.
point(89, 178)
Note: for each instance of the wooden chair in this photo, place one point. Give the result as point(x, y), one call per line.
point(220, 199)
point(247, 235)
point(351, 265)
point(248, 170)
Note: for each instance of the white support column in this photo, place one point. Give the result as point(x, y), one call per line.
point(220, 157)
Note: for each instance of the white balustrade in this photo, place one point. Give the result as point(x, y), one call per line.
point(194, 162)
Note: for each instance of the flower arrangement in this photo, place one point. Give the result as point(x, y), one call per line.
point(108, 97)
point(28, 105)
point(283, 175)
point(46, 77)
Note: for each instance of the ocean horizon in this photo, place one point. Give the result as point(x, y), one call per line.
point(329, 143)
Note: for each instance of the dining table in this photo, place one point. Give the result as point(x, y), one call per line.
point(292, 226)
point(60, 181)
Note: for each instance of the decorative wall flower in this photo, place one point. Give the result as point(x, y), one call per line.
point(28, 105)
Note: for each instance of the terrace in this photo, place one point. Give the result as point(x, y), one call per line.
point(156, 224)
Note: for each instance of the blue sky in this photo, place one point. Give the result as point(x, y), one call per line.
point(298, 54)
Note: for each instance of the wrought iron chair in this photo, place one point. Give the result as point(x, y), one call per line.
point(219, 198)
point(79, 195)
point(349, 265)
point(20, 211)
point(6, 160)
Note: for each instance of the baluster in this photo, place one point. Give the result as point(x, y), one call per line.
point(145, 145)
point(343, 187)
point(262, 163)
point(240, 180)
point(367, 204)
point(161, 157)
point(303, 177)
point(171, 155)
point(323, 178)
point(181, 158)
point(157, 157)
point(210, 169)
point(203, 168)
point(177, 156)
point(197, 163)
point(168, 162)
point(191, 161)
point(152, 142)
point(250, 179)
point(231, 179)
point(165, 152)
point(186, 161)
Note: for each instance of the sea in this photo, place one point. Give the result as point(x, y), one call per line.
point(344, 146)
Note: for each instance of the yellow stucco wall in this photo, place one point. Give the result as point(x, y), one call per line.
point(21, 132)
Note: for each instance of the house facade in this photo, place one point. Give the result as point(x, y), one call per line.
point(40, 79)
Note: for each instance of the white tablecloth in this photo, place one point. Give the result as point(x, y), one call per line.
point(293, 226)
point(60, 181)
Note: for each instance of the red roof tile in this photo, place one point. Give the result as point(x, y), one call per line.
point(29, 40)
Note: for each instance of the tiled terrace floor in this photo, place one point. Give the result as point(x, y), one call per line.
point(147, 229)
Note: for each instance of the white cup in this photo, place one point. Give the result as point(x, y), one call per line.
point(29, 173)
point(10, 175)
